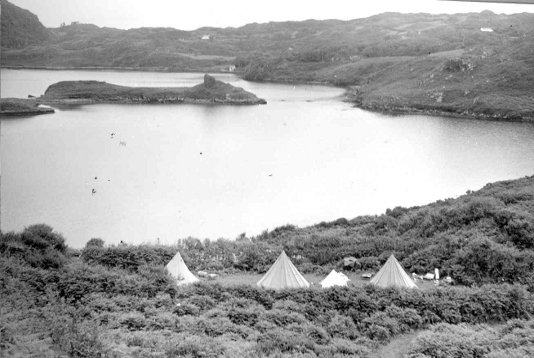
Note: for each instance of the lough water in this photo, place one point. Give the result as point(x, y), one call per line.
point(218, 171)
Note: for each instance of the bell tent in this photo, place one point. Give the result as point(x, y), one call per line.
point(334, 278)
point(283, 274)
point(392, 274)
point(179, 270)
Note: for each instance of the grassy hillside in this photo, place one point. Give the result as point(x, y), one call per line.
point(482, 82)
point(21, 28)
point(308, 45)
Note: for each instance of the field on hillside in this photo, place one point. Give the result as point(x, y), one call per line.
point(314, 279)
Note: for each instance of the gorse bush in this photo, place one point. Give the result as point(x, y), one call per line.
point(38, 245)
point(195, 346)
point(42, 237)
point(514, 339)
point(78, 280)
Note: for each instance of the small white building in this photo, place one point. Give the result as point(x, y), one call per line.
point(205, 37)
point(486, 29)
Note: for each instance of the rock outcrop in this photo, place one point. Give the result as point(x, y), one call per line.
point(209, 81)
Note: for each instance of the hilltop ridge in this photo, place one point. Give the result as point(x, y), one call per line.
point(21, 28)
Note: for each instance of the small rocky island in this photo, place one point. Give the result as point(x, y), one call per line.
point(22, 107)
point(86, 92)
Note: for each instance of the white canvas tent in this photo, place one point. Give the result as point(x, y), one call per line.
point(334, 278)
point(283, 274)
point(179, 270)
point(392, 274)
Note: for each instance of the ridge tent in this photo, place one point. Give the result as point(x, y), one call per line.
point(334, 278)
point(283, 274)
point(392, 274)
point(179, 270)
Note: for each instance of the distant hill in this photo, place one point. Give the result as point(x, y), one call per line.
point(21, 28)
point(477, 64)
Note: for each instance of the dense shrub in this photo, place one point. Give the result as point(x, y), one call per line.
point(186, 309)
point(78, 280)
point(194, 346)
point(42, 237)
point(38, 245)
point(281, 340)
point(514, 339)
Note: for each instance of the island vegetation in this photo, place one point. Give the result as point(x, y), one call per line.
point(119, 300)
point(22, 107)
point(210, 91)
point(476, 65)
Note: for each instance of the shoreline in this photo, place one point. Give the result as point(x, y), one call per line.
point(26, 113)
point(383, 108)
point(178, 101)
point(18, 107)
point(377, 108)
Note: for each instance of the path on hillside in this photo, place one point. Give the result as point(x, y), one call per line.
point(398, 346)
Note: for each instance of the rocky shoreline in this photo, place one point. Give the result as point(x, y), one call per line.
point(398, 106)
point(405, 110)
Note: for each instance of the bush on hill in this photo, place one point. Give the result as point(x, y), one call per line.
point(514, 339)
point(88, 309)
point(39, 245)
point(481, 237)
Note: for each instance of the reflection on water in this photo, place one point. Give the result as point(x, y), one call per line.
point(218, 171)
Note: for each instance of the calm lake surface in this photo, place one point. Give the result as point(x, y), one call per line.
point(218, 171)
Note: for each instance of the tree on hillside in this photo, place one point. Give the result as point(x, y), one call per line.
point(42, 237)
